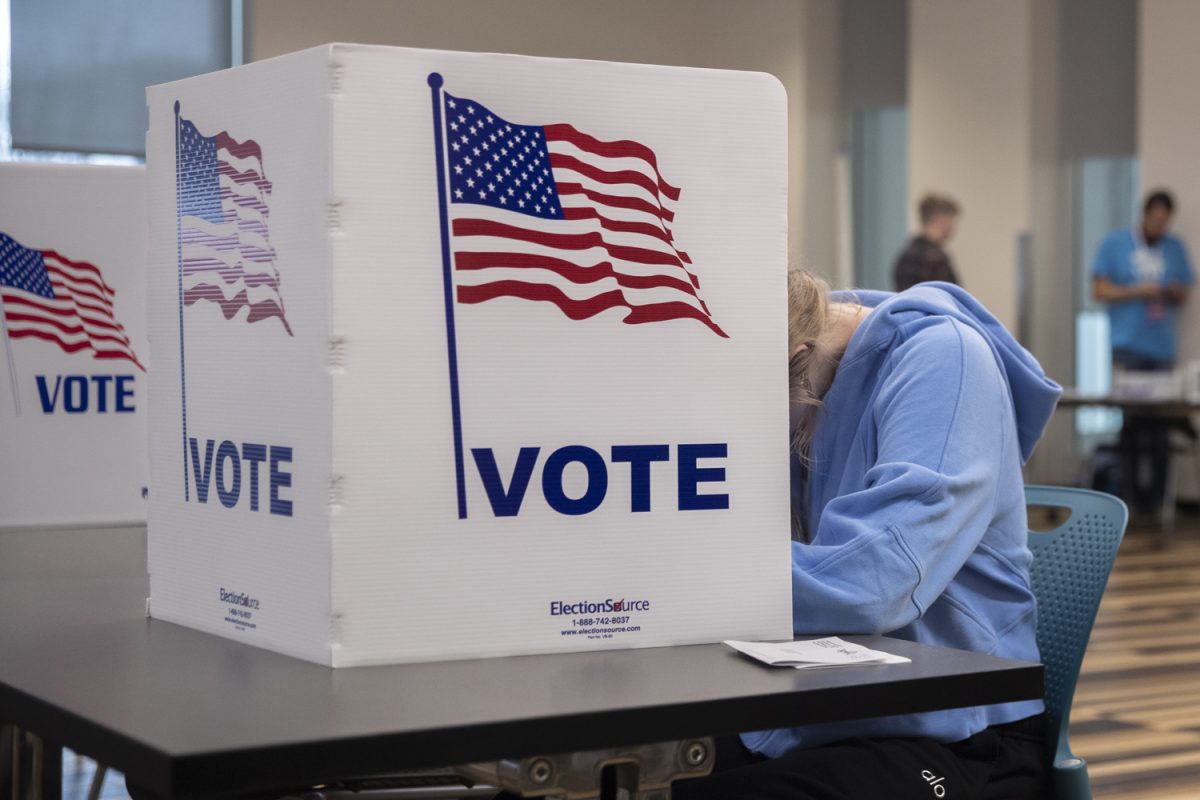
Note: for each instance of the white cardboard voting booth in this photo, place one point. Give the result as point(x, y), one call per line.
point(73, 388)
point(465, 355)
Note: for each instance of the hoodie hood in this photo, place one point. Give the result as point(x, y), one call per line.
point(1033, 395)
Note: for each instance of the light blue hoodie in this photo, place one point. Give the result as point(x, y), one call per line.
point(916, 507)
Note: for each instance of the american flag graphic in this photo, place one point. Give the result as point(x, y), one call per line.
point(59, 300)
point(225, 247)
point(549, 213)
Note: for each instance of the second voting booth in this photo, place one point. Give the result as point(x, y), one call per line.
point(73, 345)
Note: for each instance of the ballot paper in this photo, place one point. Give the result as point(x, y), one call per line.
point(815, 653)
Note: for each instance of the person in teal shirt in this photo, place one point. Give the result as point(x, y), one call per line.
point(1144, 275)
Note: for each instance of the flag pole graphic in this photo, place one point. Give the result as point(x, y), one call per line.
point(12, 365)
point(179, 257)
point(435, 87)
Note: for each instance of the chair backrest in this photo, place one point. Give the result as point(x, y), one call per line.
point(1070, 569)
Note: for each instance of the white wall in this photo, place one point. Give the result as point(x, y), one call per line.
point(986, 125)
point(1169, 126)
point(822, 193)
point(970, 122)
point(765, 35)
point(1051, 328)
point(1168, 136)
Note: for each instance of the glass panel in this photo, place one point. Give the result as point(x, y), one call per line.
point(1093, 373)
point(1105, 200)
point(880, 193)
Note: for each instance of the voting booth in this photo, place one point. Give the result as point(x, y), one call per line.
point(73, 349)
point(463, 355)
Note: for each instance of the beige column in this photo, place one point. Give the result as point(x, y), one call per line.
point(970, 121)
point(1169, 147)
point(1168, 128)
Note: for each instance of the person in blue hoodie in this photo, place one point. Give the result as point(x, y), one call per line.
point(913, 414)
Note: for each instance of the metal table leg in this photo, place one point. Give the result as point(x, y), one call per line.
point(643, 772)
point(30, 768)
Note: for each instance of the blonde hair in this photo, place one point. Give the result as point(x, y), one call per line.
point(808, 309)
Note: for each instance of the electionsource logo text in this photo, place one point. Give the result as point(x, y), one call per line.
point(239, 599)
point(558, 608)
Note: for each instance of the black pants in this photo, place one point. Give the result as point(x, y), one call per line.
point(1145, 446)
point(1145, 442)
point(1004, 762)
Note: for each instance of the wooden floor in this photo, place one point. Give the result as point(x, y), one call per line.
point(1136, 716)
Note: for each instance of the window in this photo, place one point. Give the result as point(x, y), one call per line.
point(73, 72)
point(1105, 192)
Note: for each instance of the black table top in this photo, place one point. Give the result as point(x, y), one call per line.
point(185, 713)
point(1072, 398)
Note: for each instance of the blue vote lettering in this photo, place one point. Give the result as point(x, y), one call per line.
point(552, 480)
point(219, 465)
point(506, 500)
point(78, 394)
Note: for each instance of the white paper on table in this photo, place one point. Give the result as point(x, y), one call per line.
point(815, 653)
